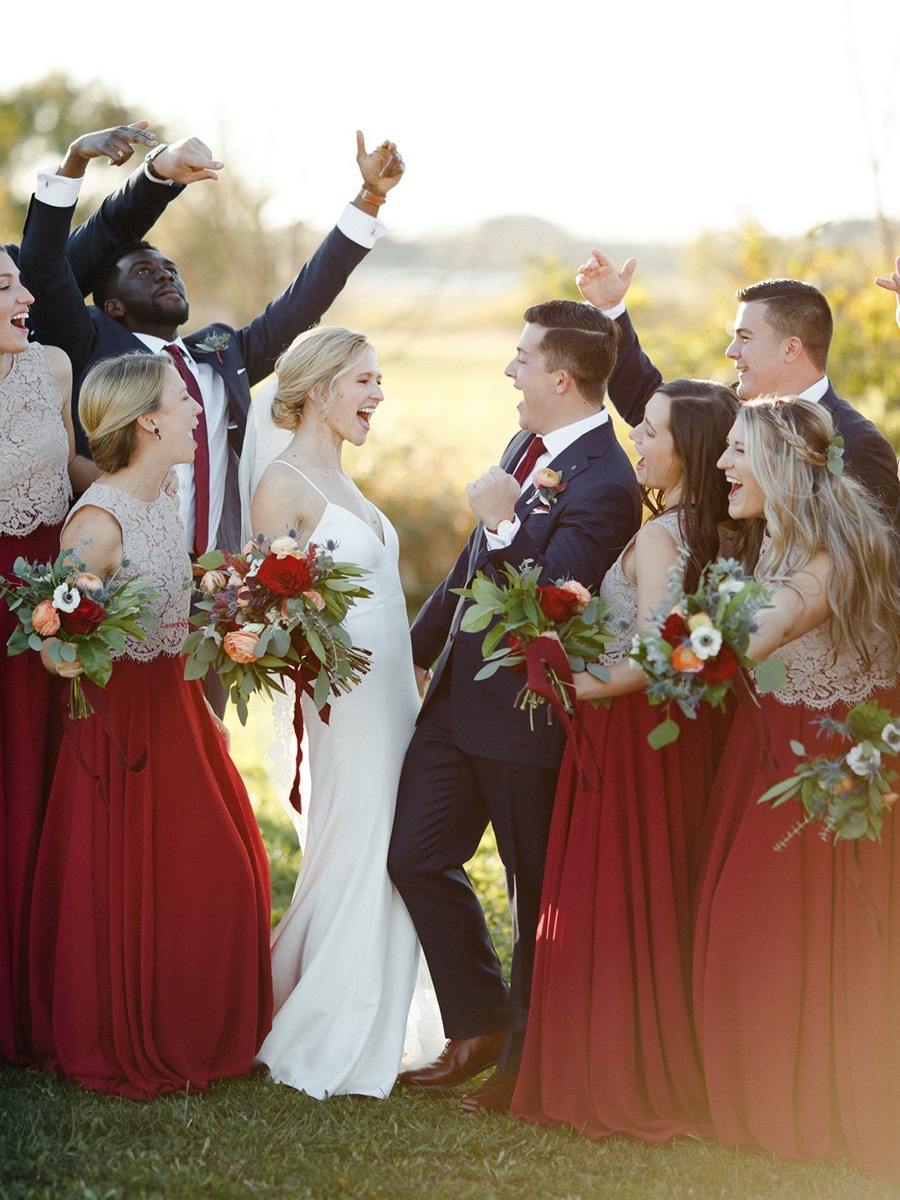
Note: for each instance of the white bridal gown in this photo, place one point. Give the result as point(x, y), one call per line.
point(345, 957)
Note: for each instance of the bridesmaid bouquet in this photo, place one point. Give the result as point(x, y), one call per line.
point(274, 611)
point(549, 631)
point(848, 791)
point(87, 617)
point(698, 644)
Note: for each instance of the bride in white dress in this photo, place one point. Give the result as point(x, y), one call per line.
point(345, 958)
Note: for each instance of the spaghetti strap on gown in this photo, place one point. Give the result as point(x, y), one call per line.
point(150, 924)
point(345, 957)
point(610, 1045)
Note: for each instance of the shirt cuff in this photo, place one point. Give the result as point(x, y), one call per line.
point(497, 541)
point(59, 191)
point(615, 311)
point(359, 227)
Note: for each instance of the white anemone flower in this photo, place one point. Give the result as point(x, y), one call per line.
point(863, 759)
point(891, 735)
point(730, 587)
point(706, 641)
point(66, 598)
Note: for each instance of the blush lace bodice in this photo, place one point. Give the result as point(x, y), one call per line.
point(34, 446)
point(621, 596)
point(153, 537)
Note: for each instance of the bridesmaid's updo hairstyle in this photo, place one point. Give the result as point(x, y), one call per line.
point(310, 369)
point(808, 508)
point(114, 394)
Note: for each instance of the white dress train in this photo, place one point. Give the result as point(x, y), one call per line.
point(345, 958)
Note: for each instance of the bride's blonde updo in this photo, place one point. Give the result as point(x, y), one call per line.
point(309, 370)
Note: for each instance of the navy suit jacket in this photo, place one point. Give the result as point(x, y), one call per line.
point(869, 456)
point(88, 335)
point(592, 520)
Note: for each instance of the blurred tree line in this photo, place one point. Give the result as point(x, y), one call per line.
point(448, 353)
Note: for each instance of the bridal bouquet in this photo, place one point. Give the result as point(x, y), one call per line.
point(697, 644)
point(850, 790)
point(274, 611)
point(549, 631)
point(86, 617)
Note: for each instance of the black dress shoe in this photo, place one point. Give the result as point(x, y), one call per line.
point(460, 1060)
point(494, 1095)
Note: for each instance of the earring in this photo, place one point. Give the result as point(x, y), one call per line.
point(157, 434)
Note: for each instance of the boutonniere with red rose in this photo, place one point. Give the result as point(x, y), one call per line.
point(82, 615)
point(697, 644)
point(547, 485)
point(848, 791)
point(548, 631)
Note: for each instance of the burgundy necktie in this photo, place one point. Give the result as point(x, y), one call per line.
point(201, 457)
point(523, 471)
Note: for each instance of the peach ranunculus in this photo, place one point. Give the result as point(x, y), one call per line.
point(212, 581)
point(285, 547)
point(240, 645)
point(578, 590)
point(89, 583)
point(684, 659)
point(44, 619)
point(315, 599)
point(546, 478)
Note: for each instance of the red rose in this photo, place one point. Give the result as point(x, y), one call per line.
point(674, 629)
point(87, 616)
point(722, 667)
point(285, 576)
point(557, 604)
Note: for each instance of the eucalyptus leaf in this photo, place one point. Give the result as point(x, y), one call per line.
point(664, 734)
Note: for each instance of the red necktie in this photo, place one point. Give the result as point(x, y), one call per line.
point(523, 471)
point(201, 457)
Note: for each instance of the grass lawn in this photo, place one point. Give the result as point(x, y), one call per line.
point(249, 1137)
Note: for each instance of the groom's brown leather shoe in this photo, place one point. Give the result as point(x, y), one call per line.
point(460, 1060)
point(494, 1095)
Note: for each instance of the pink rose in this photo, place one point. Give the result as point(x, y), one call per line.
point(315, 599)
point(240, 646)
point(578, 590)
point(45, 619)
point(89, 583)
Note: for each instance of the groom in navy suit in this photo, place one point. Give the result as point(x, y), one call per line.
point(474, 757)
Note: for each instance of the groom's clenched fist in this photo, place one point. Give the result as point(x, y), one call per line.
point(493, 496)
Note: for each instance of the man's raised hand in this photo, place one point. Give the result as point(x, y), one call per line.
point(601, 282)
point(382, 167)
point(186, 162)
point(116, 144)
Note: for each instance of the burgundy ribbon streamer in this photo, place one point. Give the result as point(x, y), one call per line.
point(547, 653)
point(301, 685)
point(72, 731)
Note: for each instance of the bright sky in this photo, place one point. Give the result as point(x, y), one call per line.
point(630, 121)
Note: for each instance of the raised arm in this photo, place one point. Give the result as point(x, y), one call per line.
point(321, 280)
point(893, 285)
point(634, 378)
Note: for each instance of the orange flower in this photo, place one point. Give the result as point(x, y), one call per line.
point(684, 659)
point(240, 646)
point(546, 478)
point(45, 619)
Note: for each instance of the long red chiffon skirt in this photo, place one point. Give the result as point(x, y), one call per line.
point(29, 740)
point(150, 924)
point(610, 1045)
point(797, 966)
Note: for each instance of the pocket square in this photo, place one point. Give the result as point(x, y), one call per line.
point(539, 508)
